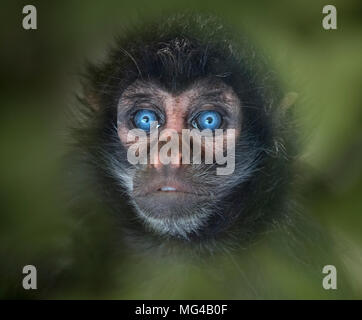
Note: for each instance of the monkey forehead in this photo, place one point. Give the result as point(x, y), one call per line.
point(207, 90)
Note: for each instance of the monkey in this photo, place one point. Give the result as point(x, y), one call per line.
point(177, 73)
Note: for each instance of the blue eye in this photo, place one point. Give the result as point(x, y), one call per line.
point(208, 120)
point(143, 119)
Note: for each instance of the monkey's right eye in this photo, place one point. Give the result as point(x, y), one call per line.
point(143, 119)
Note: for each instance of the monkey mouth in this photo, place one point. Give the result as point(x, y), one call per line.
point(168, 198)
point(167, 189)
point(172, 190)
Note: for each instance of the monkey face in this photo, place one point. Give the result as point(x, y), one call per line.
point(174, 79)
point(178, 198)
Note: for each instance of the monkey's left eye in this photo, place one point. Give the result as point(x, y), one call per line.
point(207, 120)
point(143, 119)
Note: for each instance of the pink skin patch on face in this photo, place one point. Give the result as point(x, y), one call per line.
point(202, 95)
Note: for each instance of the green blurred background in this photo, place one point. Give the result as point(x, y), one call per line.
point(39, 76)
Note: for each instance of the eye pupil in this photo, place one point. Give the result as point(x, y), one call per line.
point(208, 120)
point(143, 119)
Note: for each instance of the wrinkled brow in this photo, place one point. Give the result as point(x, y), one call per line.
point(140, 90)
point(198, 92)
point(215, 96)
point(223, 95)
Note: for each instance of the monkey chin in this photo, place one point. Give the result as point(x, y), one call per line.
point(175, 214)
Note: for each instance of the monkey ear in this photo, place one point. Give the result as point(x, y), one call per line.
point(288, 100)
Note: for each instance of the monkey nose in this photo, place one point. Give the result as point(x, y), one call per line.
point(167, 153)
point(162, 158)
point(155, 161)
